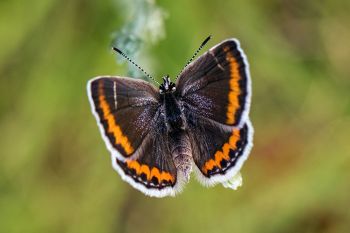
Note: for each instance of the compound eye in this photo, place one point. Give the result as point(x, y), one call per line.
point(161, 91)
point(173, 89)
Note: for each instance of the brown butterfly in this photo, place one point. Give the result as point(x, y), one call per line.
point(156, 136)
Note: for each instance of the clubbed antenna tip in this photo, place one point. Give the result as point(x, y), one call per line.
point(117, 50)
point(194, 55)
point(206, 40)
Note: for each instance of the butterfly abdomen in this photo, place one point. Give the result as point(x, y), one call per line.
point(181, 152)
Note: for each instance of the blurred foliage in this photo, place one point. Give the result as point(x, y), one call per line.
point(55, 172)
point(144, 25)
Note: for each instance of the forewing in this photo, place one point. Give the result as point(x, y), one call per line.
point(217, 85)
point(125, 111)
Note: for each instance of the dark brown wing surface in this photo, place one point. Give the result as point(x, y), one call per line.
point(153, 172)
point(219, 152)
point(125, 111)
point(217, 85)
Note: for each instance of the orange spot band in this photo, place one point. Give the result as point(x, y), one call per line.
point(233, 101)
point(113, 128)
point(223, 154)
point(150, 173)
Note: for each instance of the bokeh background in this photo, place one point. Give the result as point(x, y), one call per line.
point(56, 174)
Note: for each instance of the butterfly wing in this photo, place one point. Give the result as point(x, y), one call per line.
point(153, 172)
point(215, 91)
point(217, 85)
point(125, 111)
point(219, 152)
point(130, 120)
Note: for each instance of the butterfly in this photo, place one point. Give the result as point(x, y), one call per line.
point(200, 123)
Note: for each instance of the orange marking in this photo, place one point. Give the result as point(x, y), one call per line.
point(166, 176)
point(155, 173)
point(209, 165)
point(234, 139)
point(150, 173)
point(219, 155)
point(113, 128)
point(145, 169)
point(132, 164)
point(225, 151)
point(233, 101)
point(222, 154)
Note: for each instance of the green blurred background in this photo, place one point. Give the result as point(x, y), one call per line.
point(56, 174)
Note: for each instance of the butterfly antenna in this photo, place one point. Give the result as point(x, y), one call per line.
point(194, 55)
point(132, 62)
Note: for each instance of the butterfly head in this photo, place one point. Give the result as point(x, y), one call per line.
point(167, 86)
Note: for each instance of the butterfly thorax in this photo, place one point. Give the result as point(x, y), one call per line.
point(174, 118)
